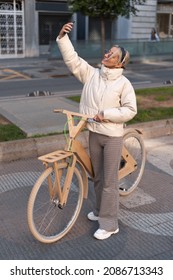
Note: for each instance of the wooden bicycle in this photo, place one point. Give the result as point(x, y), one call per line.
point(57, 196)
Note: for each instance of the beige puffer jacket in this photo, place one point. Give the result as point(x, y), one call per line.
point(104, 90)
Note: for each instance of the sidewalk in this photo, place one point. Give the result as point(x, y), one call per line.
point(145, 216)
point(34, 115)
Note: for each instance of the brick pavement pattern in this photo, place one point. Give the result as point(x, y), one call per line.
point(145, 219)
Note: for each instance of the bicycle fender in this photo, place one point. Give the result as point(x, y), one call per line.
point(127, 130)
point(84, 178)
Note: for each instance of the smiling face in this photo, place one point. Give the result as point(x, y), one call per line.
point(116, 57)
point(111, 58)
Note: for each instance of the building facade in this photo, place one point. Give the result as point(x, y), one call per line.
point(165, 18)
point(29, 27)
point(140, 25)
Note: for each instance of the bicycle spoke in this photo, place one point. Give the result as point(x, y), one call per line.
point(47, 221)
point(49, 210)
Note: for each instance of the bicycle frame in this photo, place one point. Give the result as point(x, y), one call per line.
point(77, 148)
point(78, 154)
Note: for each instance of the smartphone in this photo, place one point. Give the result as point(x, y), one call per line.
point(91, 120)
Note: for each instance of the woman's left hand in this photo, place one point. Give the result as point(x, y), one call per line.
point(99, 117)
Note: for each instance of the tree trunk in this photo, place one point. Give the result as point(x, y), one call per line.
point(112, 32)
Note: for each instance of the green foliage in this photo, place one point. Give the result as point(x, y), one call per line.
point(10, 132)
point(105, 9)
point(159, 94)
point(152, 114)
point(108, 9)
point(161, 98)
point(165, 91)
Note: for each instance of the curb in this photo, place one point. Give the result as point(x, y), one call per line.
point(155, 129)
point(35, 147)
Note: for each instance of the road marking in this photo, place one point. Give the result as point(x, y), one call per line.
point(13, 74)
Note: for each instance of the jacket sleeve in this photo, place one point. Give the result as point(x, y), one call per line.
point(78, 66)
point(128, 107)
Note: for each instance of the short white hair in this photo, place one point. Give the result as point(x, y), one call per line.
point(124, 55)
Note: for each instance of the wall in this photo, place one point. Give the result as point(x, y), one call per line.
point(139, 26)
point(31, 29)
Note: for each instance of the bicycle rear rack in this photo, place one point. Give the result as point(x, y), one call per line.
point(55, 156)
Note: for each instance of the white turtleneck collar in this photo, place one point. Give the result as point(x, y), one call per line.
point(110, 74)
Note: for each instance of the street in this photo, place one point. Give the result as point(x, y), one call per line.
point(54, 77)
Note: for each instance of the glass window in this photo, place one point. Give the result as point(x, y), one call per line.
point(163, 25)
point(49, 25)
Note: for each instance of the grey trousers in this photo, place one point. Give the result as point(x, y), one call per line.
point(105, 155)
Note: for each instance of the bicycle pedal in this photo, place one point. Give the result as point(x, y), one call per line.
point(123, 189)
point(60, 206)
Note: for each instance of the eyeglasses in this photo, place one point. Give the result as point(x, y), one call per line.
point(123, 52)
point(111, 54)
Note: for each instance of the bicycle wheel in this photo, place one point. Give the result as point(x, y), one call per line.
point(48, 221)
point(133, 142)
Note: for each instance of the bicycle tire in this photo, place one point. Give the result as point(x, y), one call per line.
point(134, 143)
point(46, 220)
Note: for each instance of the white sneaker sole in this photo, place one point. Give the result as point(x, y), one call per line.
point(106, 235)
point(92, 218)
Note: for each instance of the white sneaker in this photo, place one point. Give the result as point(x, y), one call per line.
point(103, 234)
point(92, 217)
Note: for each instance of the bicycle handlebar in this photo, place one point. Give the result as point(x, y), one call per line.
point(66, 112)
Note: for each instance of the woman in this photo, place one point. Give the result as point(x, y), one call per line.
point(154, 36)
point(110, 98)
